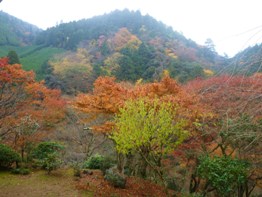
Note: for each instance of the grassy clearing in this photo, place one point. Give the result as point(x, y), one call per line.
point(38, 183)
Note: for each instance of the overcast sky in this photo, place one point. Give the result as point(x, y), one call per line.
point(233, 25)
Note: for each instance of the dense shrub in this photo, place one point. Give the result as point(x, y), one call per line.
point(99, 162)
point(45, 148)
point(224, 174)
point(115, 178)
point(8, 156)
point(48, 155)
point(23, 171)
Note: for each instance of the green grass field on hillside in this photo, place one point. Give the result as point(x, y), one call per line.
point(32, 57)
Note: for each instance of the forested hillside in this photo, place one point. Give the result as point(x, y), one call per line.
point(247, 62)
point(16, 32)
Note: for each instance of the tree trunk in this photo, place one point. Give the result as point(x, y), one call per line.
point(22, 153)
point(187, 182)
point(121, 162)
point(143, 168)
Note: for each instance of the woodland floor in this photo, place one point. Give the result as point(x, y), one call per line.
point(62, 183)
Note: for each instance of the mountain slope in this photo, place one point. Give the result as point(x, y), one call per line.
point(16, 32)
point(247, 62)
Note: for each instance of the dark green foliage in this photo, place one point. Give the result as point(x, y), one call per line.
point(94, 162)
point(51, 162)
point(8, 156)
point(127, 70)
point(99, 162)
point(13, 58)
point(145, 63)
point(45, 148)
point(224, 174)
point(115, 178)
point(48, 155)
point(22, 171)
point(136, 63)
point(185, 71)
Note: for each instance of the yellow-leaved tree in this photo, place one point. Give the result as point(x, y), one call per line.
point(151, 129)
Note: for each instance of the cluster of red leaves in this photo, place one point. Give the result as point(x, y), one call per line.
point(107, 97)
point(231, 95)
point(96, 184)
point(21, 96)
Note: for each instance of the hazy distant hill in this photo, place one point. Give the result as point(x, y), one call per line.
point(16, 32)
point(247, 62)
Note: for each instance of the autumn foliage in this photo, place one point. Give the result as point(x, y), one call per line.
point(109, 96)
point(230, 95)
point(26, 105)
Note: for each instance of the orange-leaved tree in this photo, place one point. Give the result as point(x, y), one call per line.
point(26, 104)
point(230, 95)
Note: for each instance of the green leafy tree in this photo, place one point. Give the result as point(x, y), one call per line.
point(223, 174)
point(48, 155)
point(13, 58)
point(127, 70)
point(149, 129)
point(51, 162)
